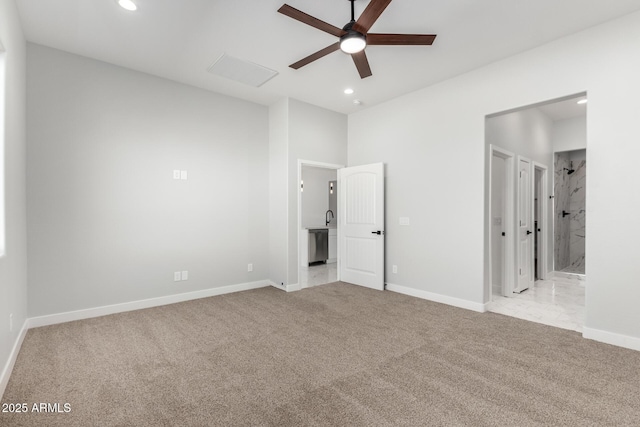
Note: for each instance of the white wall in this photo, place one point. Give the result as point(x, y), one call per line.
point(569, 134)
point(315, 198)
point(526, 133)
point(432, 141)
point(107, 222)
point(13, 264)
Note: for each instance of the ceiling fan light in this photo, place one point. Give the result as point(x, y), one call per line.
point(128, 5)
point(353, 42)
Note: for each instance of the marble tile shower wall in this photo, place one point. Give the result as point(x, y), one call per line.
point(569, 197)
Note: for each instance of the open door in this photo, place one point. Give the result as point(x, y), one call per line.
point(525, 226)
point(361, 225)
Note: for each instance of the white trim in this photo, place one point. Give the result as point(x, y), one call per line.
point(612, 338)
point(278, 286)
point(543, 210)
point(444, 299)
point(508, 222)
point(70, 316)
point(8, 367)
point(294, 287)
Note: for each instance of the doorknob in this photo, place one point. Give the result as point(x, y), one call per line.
point(528, 232)
point(377, 232)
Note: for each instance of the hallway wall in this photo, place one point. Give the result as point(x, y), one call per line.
point(439, 132)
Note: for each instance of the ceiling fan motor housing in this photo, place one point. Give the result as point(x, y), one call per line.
point(353, 41)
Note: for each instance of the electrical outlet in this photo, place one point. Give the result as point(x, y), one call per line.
point(176, 174)
point(177, 276)
point(11, 322)
point(394, 269)
point(185, 275)
point(250, 267)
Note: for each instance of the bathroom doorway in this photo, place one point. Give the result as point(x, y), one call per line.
point(317, 221)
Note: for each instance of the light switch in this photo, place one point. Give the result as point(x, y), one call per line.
point(176, 174)
point(183, 174)
point(185, 275)
point(404, 220)
point(177, 276)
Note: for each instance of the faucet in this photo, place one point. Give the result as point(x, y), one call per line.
point(326, 217)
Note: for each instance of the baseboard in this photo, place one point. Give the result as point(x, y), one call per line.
point(294, 287)
point(70, 316)
point(444, 299)
point(282, 287)
point(8, 367)
point(612, 338)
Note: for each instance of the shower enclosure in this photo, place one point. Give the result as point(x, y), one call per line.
point(569, 201)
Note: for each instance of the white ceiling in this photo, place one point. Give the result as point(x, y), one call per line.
point(180, 39)
point(566, 109)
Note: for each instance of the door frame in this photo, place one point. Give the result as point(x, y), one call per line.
point(543, 220)
point(508, 218)
point(316, 164)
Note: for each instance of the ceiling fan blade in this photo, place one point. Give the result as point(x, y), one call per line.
point(370, 15)
point(298, 15)
point(400, 39)
point(362, 64)
point(319, 54)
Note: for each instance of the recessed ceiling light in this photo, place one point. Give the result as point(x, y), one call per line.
point(348, 91)
point(582, 101)
point(128, 4)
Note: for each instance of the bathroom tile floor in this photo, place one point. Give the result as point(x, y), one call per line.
point(318, 274)
point(557, 302)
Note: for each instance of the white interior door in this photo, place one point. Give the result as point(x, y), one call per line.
point(525, 228)
point(361, 225)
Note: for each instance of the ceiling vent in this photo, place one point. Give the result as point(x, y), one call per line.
point(241, 71)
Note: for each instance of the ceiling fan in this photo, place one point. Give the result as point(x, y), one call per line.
point(354, 36)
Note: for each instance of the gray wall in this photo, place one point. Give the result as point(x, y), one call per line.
point(298, 131)
point(432, 141)
point(107, 221)
point(13, 264)
point(278, 176)
point(315, 134)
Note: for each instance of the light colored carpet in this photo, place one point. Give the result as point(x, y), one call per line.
point(336, 354)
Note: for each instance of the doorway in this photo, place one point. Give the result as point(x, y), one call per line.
point(358, 247)
point(317, 216)
point(535, 134)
